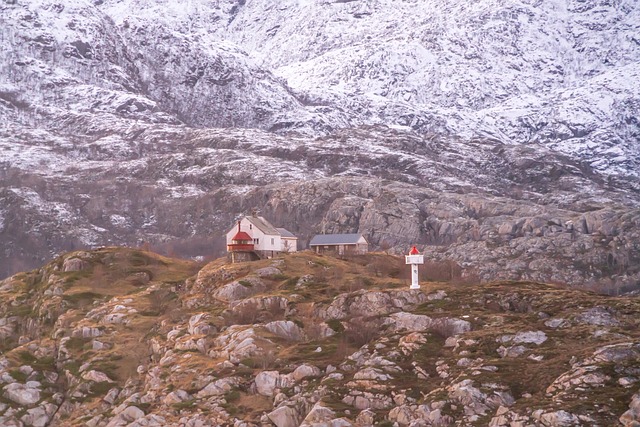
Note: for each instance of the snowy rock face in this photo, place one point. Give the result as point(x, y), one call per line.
point(498, 130)
point(560, 74)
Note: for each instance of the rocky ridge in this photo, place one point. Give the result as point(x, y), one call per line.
point(501, 136)
point(118, 337)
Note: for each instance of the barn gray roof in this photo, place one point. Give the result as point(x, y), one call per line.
point(335, 239)
point(285, 233)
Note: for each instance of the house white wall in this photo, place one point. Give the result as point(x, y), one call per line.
point(262, 242)
point(289, 244)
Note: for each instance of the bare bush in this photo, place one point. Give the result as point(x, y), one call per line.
point(245, 314)
point(274, 311)
point(268, 360)
point(314, 331)
point(361, 331)
point(444, 329)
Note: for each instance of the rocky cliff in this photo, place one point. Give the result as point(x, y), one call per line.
point(117, 337)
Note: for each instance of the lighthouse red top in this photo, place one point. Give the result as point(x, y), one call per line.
point(414, 251)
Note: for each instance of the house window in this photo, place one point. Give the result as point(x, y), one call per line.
point(256, 241)
point(273, 241)
point(250, 227)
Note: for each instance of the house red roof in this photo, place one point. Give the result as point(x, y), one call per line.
point(241, 235)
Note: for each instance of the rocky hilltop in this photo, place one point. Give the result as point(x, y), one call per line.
point(116, 337)
point(501, 135)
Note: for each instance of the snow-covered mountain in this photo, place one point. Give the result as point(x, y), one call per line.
point(455, 124)
point(559, 73)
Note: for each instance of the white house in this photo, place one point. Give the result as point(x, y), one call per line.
point(266, 240)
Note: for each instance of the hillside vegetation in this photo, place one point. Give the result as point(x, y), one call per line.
point(117, 336)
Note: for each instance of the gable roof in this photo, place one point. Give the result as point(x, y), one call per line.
point(286, 233)
point(263, 225)
point(335, 239)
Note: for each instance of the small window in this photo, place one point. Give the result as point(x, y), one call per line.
point(250, 227)
point(256, 241)
point(273, 241)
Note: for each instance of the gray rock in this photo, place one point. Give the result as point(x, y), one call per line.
point(218, 387)
point(285, 329)
point(268, 381)
point(305, 371)
point(598, 316)
point(631, 418)
point(40, 416)
point(513, 351)
point(74, 264)
point(24, 394)
point(529, 337)
point(420, 323)
point(285, 416)
point(240, 289)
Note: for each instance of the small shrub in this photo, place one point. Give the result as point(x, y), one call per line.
point(443, 329)
point(244, 314)
point(232, 396)
point(336, 325)
point(361, 332)
point(18, 375)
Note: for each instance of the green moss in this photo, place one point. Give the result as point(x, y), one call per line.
point(18, 375)
point(100, 389)
point(82, 299)
point(291, 283)
point(76, 343)
point(232, 396)
point(183, 405)
point(72, 366)
point(336, 325)
point(26, 357)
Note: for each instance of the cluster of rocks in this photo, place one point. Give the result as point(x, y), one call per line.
point(444, 356)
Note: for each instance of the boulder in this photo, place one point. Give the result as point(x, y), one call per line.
point(370, 303)
point(420, 323)
point(176, 397)
point(285, 416)
point(267, 271)
point(558, 419)
point(239, 342)
point(318, 414)
point(268, 381)
point(198, 324)
point(24, 394)
point(598, 316)
point(74, 264)
point(513, 351)
point(285, 329)
point(372, 374)
point(39, 416)
point(240, 289)
point(218, 387)
point(96, 376)
point(631, 418)
point(305, 371)
point(529, 337)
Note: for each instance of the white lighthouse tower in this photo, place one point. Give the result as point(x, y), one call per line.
point(414, 259)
